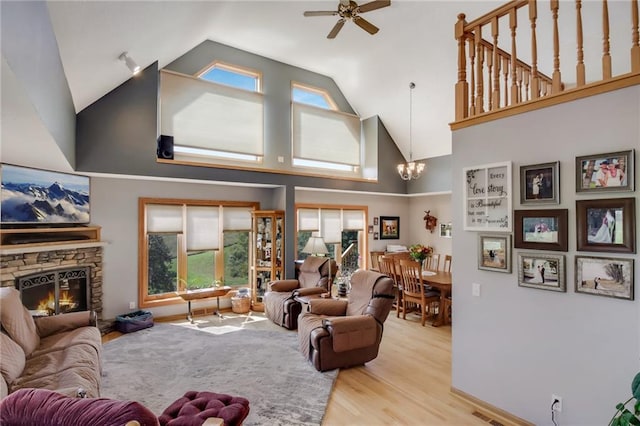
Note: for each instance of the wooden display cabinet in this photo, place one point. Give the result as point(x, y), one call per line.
point(268, 253)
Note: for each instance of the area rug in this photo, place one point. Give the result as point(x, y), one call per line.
point(155, 366)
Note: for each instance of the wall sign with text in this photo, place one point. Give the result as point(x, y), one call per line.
point(487, 197)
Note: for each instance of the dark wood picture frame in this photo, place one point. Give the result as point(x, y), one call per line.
point(587, 167)
point(389, 227)
point(592, 216)
point(541, 229)
point(540, 183)
point(605, 276)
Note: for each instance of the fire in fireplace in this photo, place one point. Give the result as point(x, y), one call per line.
point(55, 292)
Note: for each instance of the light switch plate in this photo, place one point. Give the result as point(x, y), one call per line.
point(475, 289)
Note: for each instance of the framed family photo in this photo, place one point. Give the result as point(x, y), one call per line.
point(389, 227)
point(540, 183)
point(613, 171)
point(546, 272)
point(541, 229)
point(604, 276)
point(606, 225)
point(445, 230)
point(494, 252)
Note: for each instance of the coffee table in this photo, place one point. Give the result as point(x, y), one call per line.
point(204, 293)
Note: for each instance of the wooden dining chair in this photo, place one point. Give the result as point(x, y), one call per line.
point(414, 291)
point(446, 266)
point(388, 267)
point(432, 262)
point(374, 260)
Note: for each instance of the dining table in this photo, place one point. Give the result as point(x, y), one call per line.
point(442, 281)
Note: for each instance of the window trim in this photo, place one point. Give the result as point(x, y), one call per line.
point(149, 301)
point(249, 72)
point(317, 90)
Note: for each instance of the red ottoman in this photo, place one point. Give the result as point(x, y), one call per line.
point(194, 408)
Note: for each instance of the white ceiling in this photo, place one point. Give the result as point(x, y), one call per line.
point(415, 43)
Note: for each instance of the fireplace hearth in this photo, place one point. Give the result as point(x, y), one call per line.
point(56, 292)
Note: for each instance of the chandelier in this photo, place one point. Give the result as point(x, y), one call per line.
point(411, 169)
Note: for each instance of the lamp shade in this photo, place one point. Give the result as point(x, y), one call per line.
point(315, 245)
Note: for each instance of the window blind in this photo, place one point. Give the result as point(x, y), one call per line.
point(308, 220)
point(236, 218)
point(352, 220)
point(331, 230)
point(203, 228)
point(206, 115)
point(164, 218)
point(325, 135)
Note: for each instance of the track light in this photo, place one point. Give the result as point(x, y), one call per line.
point(131, 64)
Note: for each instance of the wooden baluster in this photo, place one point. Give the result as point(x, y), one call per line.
point(526, 84)
point(462, 87)
point(472, 61)
point(495, 94)
point(556, 87)
point(513, 23)
point(479, 69)
point(489, 55)
point(580, 76)
point(535, 82)
point(606, 57)
point(519, 74)
point(505, 71)
point(635, 34)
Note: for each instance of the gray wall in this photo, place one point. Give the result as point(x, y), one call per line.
point(29, 46)
point(514, 346)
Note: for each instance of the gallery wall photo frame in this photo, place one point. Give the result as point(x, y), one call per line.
point(541, 229)
point(540, 183)
point(605, 276)
point(389, 227)
point(445, 230)
point(606, 225)
point(542, 271)
point(487, 200)
point(607, 172)
point(494, 252)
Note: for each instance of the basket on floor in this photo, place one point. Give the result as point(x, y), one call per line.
point(240, 305)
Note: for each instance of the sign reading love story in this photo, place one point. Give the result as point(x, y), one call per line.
point(487, 197)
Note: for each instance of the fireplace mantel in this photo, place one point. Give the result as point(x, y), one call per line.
point(30, 248)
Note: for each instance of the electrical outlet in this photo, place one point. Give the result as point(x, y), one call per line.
point(556, 406)
point(132, 305)
point(475, 289)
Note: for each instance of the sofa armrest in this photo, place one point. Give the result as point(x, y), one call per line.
point(47, 326)
point(308, 291)
point(283, 285)
point(329, 307)
point(353, 332)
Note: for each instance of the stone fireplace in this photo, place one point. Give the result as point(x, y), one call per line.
point(70, 272)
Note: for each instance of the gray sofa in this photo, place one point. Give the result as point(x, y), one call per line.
point(60, 353)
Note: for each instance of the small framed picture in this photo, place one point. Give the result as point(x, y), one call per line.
point(370, 229)
point(606, 225)
point(604, 276)
point(445, 230)
point(375, 236)
point(494, 252)
point(375, 221)
point(389, 227)
point(543, 271)
point(540, 183)
point(613, 171)
point(541, 229)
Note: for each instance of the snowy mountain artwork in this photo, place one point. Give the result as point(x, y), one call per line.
point(37, 196)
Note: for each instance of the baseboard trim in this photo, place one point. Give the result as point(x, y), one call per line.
point(495, 413)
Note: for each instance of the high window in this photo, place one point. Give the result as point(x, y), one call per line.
point(323, 137)
point(190, 244)
point(216, 116)
point(343, 229)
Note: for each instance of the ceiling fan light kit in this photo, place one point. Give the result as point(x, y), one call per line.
point(411, 169)
point(349, 10)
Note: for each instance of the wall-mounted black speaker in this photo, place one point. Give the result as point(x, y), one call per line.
point(165, 147)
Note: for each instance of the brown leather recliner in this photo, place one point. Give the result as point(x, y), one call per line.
point(341, 333)
point(280, 304)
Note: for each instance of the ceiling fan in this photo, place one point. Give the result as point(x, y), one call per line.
point(349, 9)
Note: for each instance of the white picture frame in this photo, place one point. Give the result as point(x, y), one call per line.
point(487, 197)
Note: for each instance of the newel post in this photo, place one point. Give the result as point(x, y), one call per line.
point(635, 35)
point(462, 87)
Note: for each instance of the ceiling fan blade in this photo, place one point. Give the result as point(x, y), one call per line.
point(320, 13)
point(373, 5)
point(336, 28)
point(365, 25)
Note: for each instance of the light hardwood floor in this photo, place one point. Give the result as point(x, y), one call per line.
point(407, 384)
